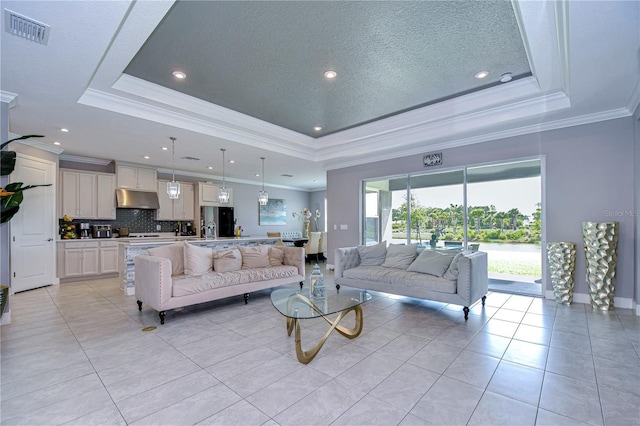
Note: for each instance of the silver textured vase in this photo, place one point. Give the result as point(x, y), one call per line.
point(600, 249)
point(562, 264)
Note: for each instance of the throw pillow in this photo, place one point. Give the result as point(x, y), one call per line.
point(399, 256)
point(227, 260)
point(197, 260)
point(373, 255)
point(431, 262)
point(175, 254)
point(276, 256)
point(255, 257)
point(452, 271)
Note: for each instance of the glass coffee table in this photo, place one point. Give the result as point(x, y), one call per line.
point(296, 304)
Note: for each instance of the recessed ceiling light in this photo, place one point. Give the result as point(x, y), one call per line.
point(482, 74)
point(179, 75)
point(257, 174)
point(146, 157)
point(506, 77)
point(330, 74)
point(164, 148)
point(232, 161)
point(210, 167)
point(64, 130)
point(317, 128)
point(56, 143)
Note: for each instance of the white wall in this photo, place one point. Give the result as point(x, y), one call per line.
point(4, 228)
point(637, 203)
point(589, 177)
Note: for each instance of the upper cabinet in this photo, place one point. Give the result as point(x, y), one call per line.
point(208, 195)
point(181, 209)
point(135, 177)
point(87, 195)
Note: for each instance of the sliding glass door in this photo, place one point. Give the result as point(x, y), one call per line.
point(494, 208)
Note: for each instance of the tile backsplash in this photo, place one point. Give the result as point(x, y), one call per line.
point(137, 220)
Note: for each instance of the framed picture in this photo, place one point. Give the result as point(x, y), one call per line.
point(274, 213)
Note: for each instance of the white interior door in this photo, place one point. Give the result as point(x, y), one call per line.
point(33, 228)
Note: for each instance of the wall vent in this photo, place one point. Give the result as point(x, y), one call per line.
point(24, 27)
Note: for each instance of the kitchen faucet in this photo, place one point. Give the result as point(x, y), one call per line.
point(211, 230)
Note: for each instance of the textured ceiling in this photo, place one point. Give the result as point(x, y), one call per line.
point(267, 59)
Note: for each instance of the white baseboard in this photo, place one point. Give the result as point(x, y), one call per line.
point(618, 302)
point(330, 267)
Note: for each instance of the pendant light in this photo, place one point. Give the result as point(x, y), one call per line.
point(173, 187)
point(223, 191)
point(263, 196)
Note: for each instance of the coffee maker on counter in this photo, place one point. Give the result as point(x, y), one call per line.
point(84, 229)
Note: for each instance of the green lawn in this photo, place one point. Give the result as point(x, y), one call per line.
point(516, 267)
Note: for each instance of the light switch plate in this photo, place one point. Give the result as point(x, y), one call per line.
point(343, 227)
point(158, 227)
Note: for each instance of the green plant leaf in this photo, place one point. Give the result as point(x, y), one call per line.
point(11, 203)
point(7, 162)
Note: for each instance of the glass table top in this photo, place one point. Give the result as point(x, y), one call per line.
point(294, 302)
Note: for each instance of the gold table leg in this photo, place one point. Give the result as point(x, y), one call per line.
point(305, 357)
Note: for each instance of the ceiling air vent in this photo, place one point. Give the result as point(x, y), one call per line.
point(286, 175)
point(24, 27)
point(191, 158)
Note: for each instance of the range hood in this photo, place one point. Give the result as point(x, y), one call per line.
point(130, 199)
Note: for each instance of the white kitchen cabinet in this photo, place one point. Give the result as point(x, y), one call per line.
point(80, 259)
point(208, 195)
point(78, 194)
point(87, 195)
point(135, 177)
point(106, 196)
point(108, 257)
point(181, 209)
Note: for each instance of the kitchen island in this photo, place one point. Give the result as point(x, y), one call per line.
point(132, 247)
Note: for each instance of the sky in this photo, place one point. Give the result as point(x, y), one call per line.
point(522, 194)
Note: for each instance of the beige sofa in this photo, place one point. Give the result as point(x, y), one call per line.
point(446, 276)
point(183, 274)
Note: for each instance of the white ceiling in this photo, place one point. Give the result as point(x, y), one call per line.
point(584, 59)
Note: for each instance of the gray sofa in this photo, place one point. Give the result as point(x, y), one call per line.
point(183, 274)
point(445, 276)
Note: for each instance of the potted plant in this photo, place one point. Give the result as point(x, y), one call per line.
point(10, 197)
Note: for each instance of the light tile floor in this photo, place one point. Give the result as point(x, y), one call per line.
point(76, 354)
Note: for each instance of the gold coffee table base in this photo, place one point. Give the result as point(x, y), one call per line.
point(305, 357)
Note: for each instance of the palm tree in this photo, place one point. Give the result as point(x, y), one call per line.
point(514, 214)
point(477, 214)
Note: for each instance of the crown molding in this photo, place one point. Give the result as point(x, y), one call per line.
point(85, 160)
point(9, 98)
point(209, 177)
point(535, 128)
point(34, 143)
point(447, 129)
point(134, 108)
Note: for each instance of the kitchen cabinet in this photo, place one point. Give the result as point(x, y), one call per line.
point(181, 209)
point(108, 257)
point(87, 195)
point(106, 196)
point(208, 195)
point(80, 258)
point(135, 177)
point(78, 194)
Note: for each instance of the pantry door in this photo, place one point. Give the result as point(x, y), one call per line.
point(33, 228)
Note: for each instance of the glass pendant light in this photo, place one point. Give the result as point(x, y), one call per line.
point(173, 187)
point(223, 191)
point(263, 196)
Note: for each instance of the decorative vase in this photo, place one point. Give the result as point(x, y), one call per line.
point(562, 264)
point(600, 249)
point(305, 233)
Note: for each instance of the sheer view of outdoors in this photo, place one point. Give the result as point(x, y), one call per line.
point(502, 216)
